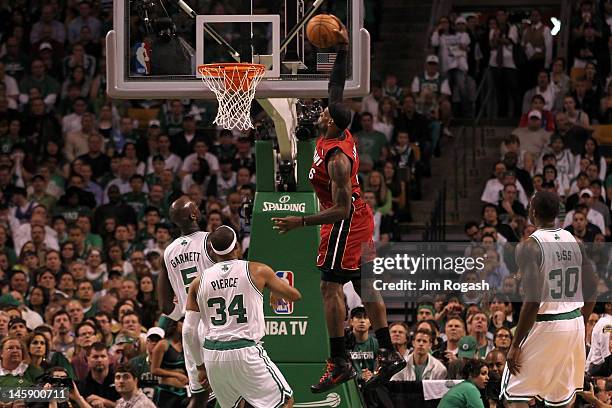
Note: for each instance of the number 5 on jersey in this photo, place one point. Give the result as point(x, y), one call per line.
point(188, 275)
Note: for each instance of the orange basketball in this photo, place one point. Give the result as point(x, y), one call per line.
point(320, 30)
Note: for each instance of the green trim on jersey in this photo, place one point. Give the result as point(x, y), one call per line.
point(228, 345)
point(524, 398)
point(285, 394)
point(248, 273)
point(541, 249)
point(559, 316)
point(504, 393)
point(206, 248)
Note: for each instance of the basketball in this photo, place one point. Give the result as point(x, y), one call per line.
point(320, 30)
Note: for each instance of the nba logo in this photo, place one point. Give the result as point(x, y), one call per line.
point(142, 58)
point(282, 307)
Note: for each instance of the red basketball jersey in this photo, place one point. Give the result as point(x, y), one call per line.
point(342, 243)
point(319, 178)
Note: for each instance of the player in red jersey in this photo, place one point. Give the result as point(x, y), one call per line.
point(346, 224)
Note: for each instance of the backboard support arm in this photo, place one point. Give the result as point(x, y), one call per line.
point(283, 113)
point(211, 31)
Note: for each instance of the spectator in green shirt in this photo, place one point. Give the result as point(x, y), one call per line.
point(363, 352)
point(142, 363)
point(40, 195)
point(369, 140)
point(47, 85)
point(92, 241)
point(137, 198)
point(152, 217)
point(14, 371)
point(467, 393)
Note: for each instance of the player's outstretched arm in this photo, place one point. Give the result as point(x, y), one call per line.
point(589, 285)
point(338, 112)
point(165, 294)
point(528, 259)
point(264, 277)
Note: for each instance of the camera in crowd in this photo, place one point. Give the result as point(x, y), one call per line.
point(56, 381)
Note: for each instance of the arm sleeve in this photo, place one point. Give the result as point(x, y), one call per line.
point(191, 341)
point(340, 114)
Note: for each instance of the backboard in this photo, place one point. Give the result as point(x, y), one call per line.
point(156, 46)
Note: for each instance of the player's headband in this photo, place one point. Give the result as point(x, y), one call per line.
point(228, 249)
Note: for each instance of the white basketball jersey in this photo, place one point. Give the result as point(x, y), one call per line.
point(562, 270)
point(230, 304)
point(186, 257)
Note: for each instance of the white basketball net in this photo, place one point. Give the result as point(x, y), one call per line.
point(234, 86)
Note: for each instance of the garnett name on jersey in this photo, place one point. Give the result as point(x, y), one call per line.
point(186, 257)
point(224, 283)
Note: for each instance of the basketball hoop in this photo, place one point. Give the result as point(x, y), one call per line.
point(234, 86)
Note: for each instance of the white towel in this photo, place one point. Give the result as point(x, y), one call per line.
point(436, 389)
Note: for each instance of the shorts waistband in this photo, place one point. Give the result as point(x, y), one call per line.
point(559, 316)
point(228, 345)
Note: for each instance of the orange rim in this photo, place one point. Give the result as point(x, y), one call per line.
point(217, 70)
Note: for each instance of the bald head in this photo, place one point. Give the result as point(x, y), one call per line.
point(184, 213)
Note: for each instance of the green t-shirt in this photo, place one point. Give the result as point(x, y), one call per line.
point(371, 143)
point(10, 254)
point(137, 201)
point(363, 355)
point(58, 359)
point(147, 382)
point(462, 395)
point(94, 241)
point(609, 181)
point(71, 214)
point(47, 85)
point(418, 371)
point(45, 199)
point(7, 143)
point(58, 181)
point(91, 312)
point(162, 206)
point(152, 179)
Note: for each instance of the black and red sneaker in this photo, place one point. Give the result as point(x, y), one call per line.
point(388, 363)
point(337, 371)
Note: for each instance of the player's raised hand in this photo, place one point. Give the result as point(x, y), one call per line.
point(513, 360)
point(342, 35)
point(286, 224)
point(275, 300)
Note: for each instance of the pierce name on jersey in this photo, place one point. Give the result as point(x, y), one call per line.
point(224, 283)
